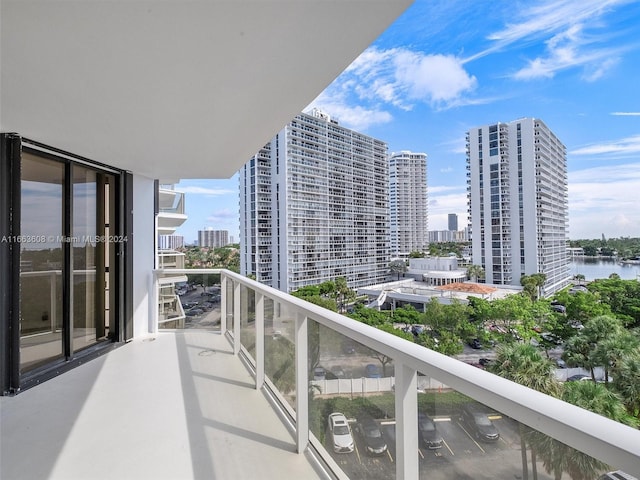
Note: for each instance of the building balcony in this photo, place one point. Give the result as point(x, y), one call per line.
point(245, 389)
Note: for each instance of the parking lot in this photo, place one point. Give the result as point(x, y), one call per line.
point(460, 457)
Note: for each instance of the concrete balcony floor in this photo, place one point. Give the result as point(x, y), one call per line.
point(178, 405)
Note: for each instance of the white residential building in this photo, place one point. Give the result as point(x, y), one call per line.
point(213, 238)
point(314, 206)
point(408, 202)
point(517, 196)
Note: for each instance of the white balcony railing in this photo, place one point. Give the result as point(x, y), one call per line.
point(264, 324)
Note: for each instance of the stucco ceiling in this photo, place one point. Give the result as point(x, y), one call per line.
point(173, 89)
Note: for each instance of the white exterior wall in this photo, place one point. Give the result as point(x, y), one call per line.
point(518, 202)
point(408, 203)
point(327, 190)
point(144, 307)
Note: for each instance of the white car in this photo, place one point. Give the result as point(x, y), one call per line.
point(341, 433)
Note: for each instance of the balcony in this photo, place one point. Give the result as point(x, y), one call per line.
point(227, 401)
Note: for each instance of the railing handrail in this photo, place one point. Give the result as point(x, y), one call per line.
point(607, 440)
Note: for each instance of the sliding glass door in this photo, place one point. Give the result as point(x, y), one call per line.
point(41, 243)
point(66, 261)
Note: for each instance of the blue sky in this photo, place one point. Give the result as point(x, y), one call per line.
point(446, 66)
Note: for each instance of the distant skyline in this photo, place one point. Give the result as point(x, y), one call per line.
point(446, 66)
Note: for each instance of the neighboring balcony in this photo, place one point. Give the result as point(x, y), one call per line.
point(171, 212)
point(252, 379)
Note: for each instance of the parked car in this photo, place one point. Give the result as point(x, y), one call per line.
point(417, 329)
point(475, 343)
point(560, 363)
point(551, 338)
point(617, 475)
point(479, 424)
point(319, 373)
point(429, 435)
point(340, 433)
point(485, 362)
point(578, 377)
point(372, 371)
point(371, 435)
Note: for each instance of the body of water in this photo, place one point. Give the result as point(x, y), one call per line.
point(594, 268)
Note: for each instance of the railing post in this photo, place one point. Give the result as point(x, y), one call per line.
point(236, 318)
point(407, 466)
point(259, 340)
point(302, 383)
point(223, 303)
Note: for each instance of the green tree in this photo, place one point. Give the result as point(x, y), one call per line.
point(626, 382)
point(582, 306)
point(583, 349)
point(523, 364)
point(532, 284)
point(417, 254)
point(475, 272)
point(558, 457)
point(622, 296)
point(398, 267)
point(343, 293)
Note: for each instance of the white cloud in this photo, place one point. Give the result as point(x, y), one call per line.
point(626, 114)
point(549, 17)
point(444, 200)
point(629, 145)
point(434, 79)
point(206, 191)
point(563, 23)
point(569, 49)
point(604, 200)
point(398, 77)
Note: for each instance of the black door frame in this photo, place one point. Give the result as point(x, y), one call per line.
point(11, 148)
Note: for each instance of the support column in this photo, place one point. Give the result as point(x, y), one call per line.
point(406, 423)
point(223, 304)
point(259, 340)
point(302, 383)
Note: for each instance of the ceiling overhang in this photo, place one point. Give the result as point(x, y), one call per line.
point(174, 89)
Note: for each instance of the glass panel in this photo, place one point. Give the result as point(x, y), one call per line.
point(88, 253)
point(279, 346)
point(41, 261)
point(352, 383)
point(190, 301)
point(229, 326)
point(462, 438)
point(248, 320)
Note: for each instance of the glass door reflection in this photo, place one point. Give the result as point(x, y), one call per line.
point(41, 261)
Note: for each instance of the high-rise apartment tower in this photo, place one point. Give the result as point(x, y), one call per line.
point(408, 203)
point(314, 206)
point(517, 198)
point(213, 238)
point(453, 222)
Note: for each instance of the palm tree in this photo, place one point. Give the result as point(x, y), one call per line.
point(579, 277)
point(524, 364)
point(558, 457)
point(475, 272)
point(585, 350)
point(398, 266)
point(626, 382)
